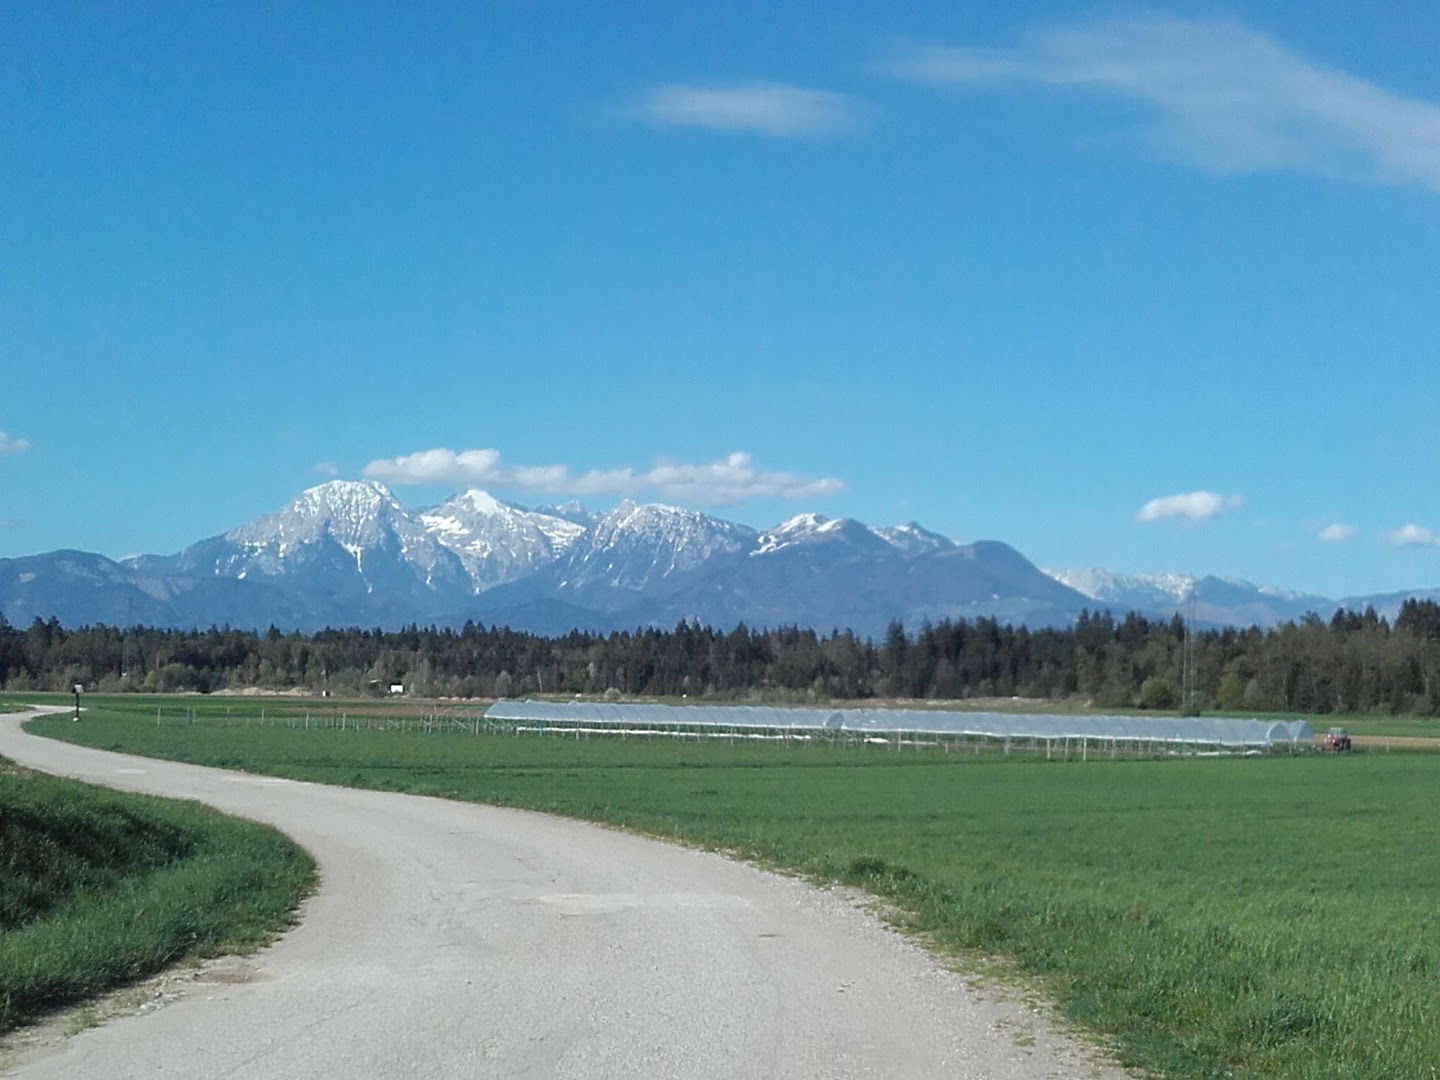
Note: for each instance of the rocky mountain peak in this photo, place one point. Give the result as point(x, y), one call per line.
point(914, 539)
point(354, 513)
point(636, 544)
point(812, 528)
point(497, 541)
point(478, 501)
point(1108, 586)
point(347, 553)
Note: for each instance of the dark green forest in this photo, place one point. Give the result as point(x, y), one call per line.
point(1356, 662)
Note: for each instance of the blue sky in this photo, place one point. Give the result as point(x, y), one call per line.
point(1135, 287)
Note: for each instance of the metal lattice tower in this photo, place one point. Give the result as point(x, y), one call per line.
point(125, 635)
point(1187, 678)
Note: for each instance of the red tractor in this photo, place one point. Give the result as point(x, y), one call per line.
point(1337, 741)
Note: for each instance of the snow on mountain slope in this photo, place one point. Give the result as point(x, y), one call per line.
point(344, 537)
point(570, 511)
point(819, 529)
point(1218, 600)
point(358, 515)
point(498, 541)
point(906, 540)
point(913, 539)
point(347, 553)
point(1140, 591)
point(637, 547)
point(815, 572)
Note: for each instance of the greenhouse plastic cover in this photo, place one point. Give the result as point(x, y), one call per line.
point(1214, 731)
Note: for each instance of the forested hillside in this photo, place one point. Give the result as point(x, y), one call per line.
point(1354, 662)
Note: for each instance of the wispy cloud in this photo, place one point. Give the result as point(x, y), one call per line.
point(1190, 505)
point(733, 479)
point(775, 109)
point(9, 444)
point(1336, 533)
point(1412, 535)
point(1223, 97)
point(327, 469)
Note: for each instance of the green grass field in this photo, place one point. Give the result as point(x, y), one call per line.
point(98, 888)
point(174, 706)
point(1267, 917)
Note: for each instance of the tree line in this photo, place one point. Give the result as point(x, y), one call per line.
point(1355, 662)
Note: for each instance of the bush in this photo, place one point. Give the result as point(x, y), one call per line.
point(1157, 692)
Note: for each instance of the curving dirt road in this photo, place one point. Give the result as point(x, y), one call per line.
point(454, 940)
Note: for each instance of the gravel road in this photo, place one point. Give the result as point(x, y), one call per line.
point(455, 940)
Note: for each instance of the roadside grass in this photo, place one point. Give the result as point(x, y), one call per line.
point(98, 888)
point(1208, 918)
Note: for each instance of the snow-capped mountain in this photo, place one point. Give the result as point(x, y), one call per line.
point(809, 529)
point(1127, 591)
point(906, 540)
point(913, 539)
point(816, 572)
point(640, 547)
point(343, 552)
point(348, 553)
point(360, 517)
point(344, 536)
point(356, 514)
point(498, 541)
point(1218, 601)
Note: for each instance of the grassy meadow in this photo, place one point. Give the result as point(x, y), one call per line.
point(98, 888)
point(1271, 916)
point(285, 706)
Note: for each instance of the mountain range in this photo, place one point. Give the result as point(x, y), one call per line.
point(348, 553)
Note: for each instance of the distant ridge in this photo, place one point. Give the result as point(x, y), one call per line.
point(1221, 601)
point(348, 553)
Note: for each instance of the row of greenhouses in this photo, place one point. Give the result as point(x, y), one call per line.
point(883, 725)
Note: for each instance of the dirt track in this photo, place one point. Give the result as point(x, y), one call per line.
point(1399, 742)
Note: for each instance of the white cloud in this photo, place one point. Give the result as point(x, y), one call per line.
point(11, 445)
point(733, 479)
point(760, 108)
point(1191, 505)
point(325, 468)
point(1413, 535)
point(1336, 533)
point(1224, 97)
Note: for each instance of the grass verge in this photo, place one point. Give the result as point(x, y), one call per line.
point(1210, 918)
point(98, 888)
